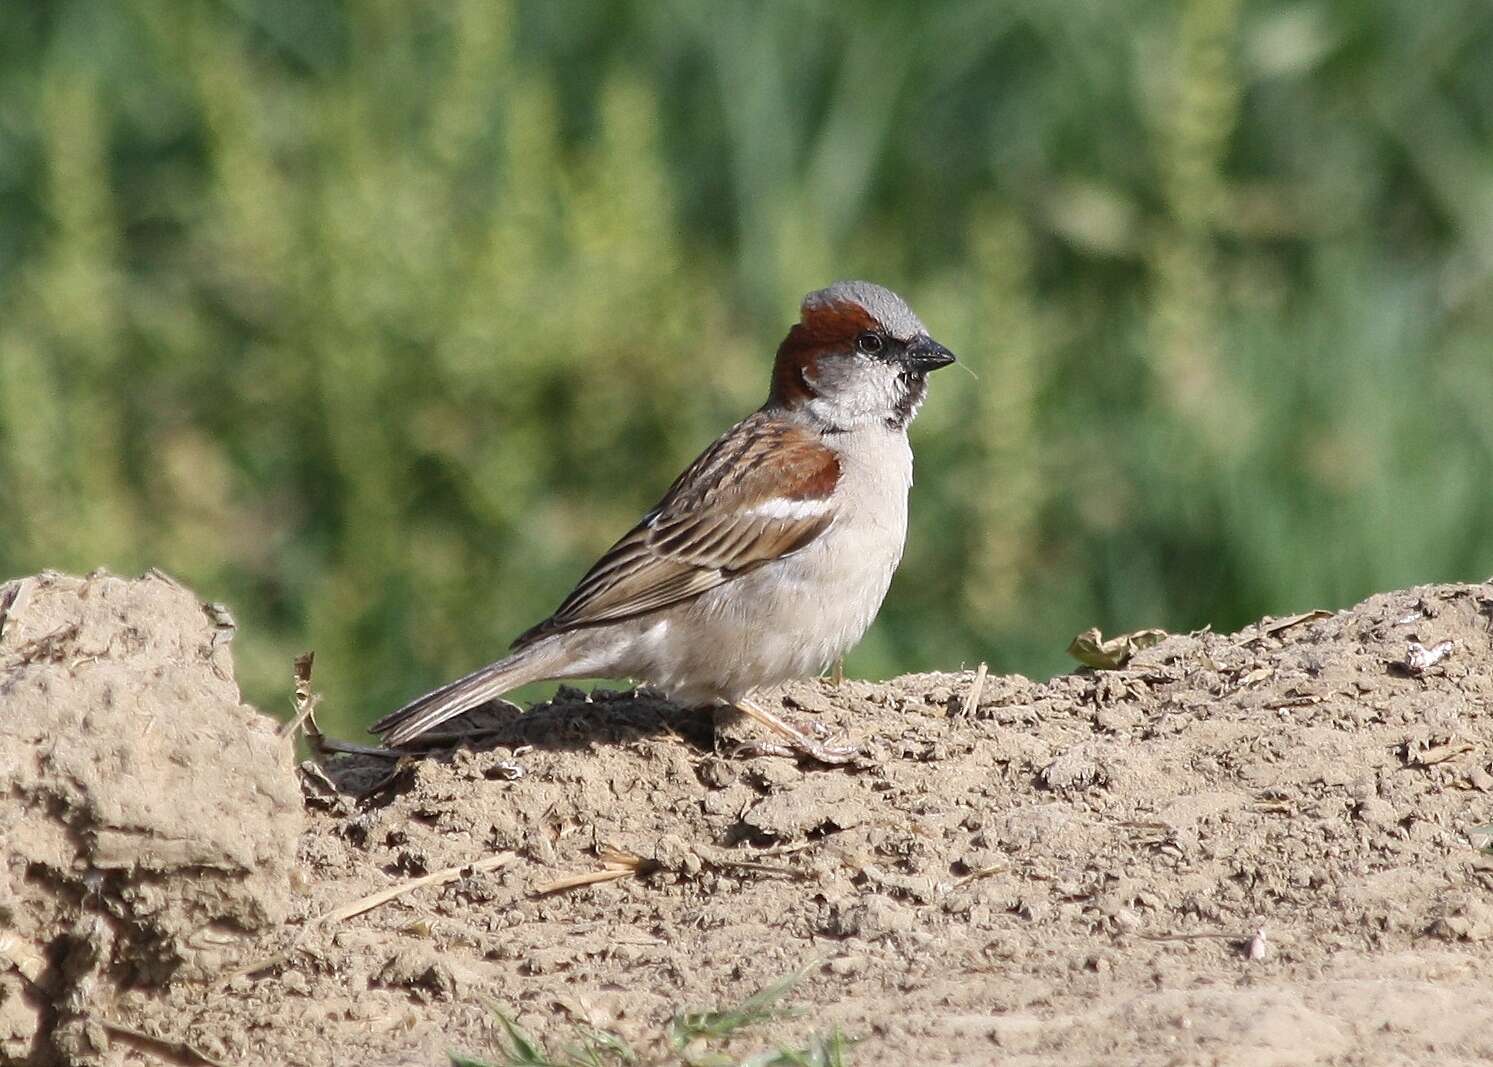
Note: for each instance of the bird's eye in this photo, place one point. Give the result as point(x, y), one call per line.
point(869, 343)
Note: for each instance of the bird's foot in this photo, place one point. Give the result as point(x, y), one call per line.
point(796, 742)
point(834, 755)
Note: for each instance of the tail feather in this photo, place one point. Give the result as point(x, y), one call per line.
point(464, 694)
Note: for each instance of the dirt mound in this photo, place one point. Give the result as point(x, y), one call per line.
point(148, 819)
point(1259, 848)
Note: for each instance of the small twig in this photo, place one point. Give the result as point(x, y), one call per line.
point(368, 903)
point(1269, 629)
point(785, 850)
point(575, 881)
point(758, 868)
point(615, 864)
point(262, 964)
point(971, 702)
point(178, 1048)
point(1273, 807)
point(305, 700)
point(983, 872)
point(383, 896)
point(1436, 754)
point(1293, 702)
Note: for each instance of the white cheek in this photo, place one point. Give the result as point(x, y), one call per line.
point(850, 394)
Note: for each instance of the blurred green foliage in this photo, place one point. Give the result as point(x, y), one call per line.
point(380, 320)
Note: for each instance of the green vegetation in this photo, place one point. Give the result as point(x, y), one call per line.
point(695, 1039)
point(379, 321)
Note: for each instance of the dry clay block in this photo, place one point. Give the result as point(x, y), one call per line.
point(148, 817)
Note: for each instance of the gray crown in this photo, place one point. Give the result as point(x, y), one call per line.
point(883, 305)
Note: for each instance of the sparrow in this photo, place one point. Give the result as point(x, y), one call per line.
point(769, 556)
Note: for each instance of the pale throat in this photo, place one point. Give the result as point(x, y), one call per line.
point(856, 398)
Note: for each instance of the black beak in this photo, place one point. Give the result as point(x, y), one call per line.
point(923, 354)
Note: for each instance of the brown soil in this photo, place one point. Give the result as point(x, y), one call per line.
point(1258, 848)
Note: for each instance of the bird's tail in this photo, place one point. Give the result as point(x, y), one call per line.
point(532, 664)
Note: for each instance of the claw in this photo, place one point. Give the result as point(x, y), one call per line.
point(796, 741)
point(754, 749)
point(831, 754)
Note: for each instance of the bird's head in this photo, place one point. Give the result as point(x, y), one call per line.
point(856, 357)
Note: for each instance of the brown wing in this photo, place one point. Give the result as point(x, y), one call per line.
point(757, 494)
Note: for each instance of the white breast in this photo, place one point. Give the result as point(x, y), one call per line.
point(792, 618)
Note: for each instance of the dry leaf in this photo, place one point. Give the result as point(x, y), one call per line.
point(1092, 650)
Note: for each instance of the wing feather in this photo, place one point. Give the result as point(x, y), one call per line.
point(759, 493)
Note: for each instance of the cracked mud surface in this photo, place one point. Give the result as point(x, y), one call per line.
point(1070, 872)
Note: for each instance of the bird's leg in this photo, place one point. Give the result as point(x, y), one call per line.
point(807, 744)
